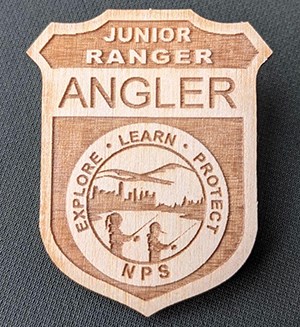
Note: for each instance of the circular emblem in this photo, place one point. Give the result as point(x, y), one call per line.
point(143, 201)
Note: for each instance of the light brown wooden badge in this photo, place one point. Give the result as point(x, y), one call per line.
point(148, 181)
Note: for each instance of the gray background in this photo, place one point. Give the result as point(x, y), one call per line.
point(265, 292)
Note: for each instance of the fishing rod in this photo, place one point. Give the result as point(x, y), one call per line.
point(148, 222)
point(178, 237)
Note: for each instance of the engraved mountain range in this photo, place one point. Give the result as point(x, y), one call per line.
point(169, 188)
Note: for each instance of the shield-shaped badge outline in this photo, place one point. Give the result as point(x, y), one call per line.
point(228, 268)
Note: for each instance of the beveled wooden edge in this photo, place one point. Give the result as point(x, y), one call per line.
point(185, 14)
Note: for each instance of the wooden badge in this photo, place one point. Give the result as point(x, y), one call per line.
point(148, 181)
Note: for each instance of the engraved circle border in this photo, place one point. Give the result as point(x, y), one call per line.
point(111, 265)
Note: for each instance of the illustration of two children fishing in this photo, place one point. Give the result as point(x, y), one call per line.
point(117, 238)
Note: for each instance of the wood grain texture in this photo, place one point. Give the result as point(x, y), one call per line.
point(148, 181)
